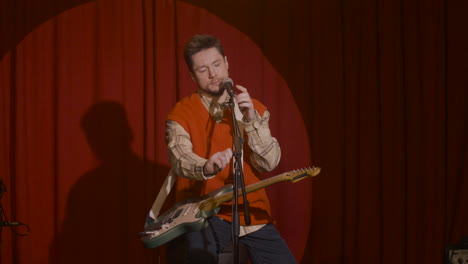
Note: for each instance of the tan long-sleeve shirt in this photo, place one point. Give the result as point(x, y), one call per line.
point(266, 152)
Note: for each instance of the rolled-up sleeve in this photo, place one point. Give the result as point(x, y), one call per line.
point(266, 151)
point(183, 160)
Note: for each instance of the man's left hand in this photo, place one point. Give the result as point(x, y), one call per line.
point(245, 104)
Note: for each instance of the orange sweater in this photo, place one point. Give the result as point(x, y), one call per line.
point(209, 137)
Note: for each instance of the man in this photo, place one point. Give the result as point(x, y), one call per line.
point(200, 141)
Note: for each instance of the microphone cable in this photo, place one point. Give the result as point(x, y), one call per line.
point(9, 224)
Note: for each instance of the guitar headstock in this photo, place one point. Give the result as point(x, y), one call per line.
point(297, 175)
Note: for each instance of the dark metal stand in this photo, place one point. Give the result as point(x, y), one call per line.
point(1, 228)
point(2, 191)
point(238, 181)
point(7, 223)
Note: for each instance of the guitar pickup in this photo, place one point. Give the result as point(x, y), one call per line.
point(146, 233)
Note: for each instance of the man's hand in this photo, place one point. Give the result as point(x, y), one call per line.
point(245, 104)
point(217, 162)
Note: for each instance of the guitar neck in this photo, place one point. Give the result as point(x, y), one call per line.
point(293, 176)
point(251, 188)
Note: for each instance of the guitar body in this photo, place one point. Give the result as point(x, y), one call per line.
point(185, 216)
point(191, 214)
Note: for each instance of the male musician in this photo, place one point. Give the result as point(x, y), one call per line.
point(200, 140)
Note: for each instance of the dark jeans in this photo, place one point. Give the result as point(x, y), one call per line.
point(263, 246)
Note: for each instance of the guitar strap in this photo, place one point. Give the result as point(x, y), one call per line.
point(161, 198)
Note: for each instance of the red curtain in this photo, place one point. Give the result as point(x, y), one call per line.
point(374, 92)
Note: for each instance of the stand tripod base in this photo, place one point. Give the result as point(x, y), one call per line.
point(227, 256)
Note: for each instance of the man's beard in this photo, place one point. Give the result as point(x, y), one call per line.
point(216, 93)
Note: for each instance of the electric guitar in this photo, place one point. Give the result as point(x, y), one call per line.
point(191, 214)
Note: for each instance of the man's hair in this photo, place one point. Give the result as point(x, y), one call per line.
point(198, 43)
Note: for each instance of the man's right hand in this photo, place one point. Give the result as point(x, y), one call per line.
point(217, 162)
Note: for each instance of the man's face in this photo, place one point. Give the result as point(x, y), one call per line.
point(210, 68)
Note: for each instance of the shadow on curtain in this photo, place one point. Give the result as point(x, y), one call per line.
point(105, 207)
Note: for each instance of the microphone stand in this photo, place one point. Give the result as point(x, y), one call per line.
point(238, 181)
point(6, 222)
point(2, 191)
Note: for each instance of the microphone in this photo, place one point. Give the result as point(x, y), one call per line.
point(228, 85)
point(10, 224)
